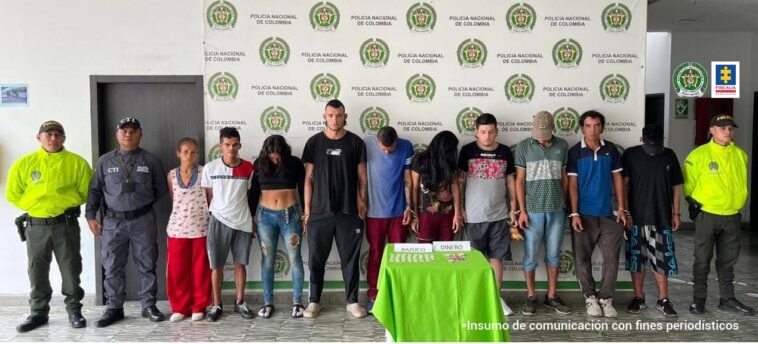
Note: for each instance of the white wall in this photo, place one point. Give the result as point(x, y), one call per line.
point(658, 70)
point(54, 46)
point(704, 47)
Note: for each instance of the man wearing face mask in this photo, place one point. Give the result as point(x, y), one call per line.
point(715, 183)
point(126, 184)
point(653, 180)
point(50, 185)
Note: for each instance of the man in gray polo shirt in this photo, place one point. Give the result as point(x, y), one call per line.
point(541, 184)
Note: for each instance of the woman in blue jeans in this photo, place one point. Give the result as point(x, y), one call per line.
point(278, 192)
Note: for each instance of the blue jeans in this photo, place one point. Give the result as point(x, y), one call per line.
point(547, 227)
point(271, 225)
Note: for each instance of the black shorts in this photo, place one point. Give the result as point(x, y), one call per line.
point(493, 239)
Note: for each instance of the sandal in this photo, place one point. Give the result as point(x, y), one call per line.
point(297, 310)
point(266, 311)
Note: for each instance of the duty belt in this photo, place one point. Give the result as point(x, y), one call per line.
point(129, 215)
point(48, 220)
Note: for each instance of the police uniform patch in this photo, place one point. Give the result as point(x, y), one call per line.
point(36, 176)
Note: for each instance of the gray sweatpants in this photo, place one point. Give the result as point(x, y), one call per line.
point(118, 237)
point(723, 233)
point(608, 234)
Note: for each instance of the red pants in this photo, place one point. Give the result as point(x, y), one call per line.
point(188, 275)
point(435, 227)
point(377, 233)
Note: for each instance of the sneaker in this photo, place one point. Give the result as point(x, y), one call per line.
point(506, 310)
point(198, 316)
point(176, 317)
point(312, 311)
point(593, 308)
point(297, 310)
point(530, 306)
point(370, 307)
point(636, 305)
point(356, 310)
point(607, 306)
point(735, 306)
point(215, 312)
point(557, 305)
point(241, 308)
point(697, 306)
point(666, 307)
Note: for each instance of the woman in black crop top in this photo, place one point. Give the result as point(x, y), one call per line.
point(277, 193)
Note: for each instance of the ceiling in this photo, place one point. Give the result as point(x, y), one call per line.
point(702, 15)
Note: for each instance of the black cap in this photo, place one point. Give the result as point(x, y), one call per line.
point(129, 121)
point(51, 125)
point(652, 139)
point(723, 121)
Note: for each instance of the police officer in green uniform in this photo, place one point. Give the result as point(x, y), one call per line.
point(50, 185)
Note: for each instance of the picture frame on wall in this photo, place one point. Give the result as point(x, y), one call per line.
point(14, 95)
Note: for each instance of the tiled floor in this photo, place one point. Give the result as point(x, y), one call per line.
point(334, 324)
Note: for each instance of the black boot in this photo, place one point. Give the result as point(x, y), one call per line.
point(152, 313)
point(77, 320)
point(32, 322)
point(110, 316)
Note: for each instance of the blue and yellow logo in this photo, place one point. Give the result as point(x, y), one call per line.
point(726, 74)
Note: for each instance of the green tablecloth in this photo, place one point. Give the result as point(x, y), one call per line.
point(439, 300)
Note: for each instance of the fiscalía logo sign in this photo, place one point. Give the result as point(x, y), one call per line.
point(725, 82)
point(275, 120)
point(466, 120)
point(373, 119)
point(324, 16)
point(567, 53)
point(420, 88)
point(374, 53)
point(472, 53)
point(519, 88)
point(223, 86)
point(421, 17)
point(617, 18)
point(325, 87)
point(521, 18)
point(614, 88)
point(274, 52)
point(690, 79)
point(566, 121)
point(221, 15)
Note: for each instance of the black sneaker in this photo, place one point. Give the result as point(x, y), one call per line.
point(636, 305)
point(697, 306)
point(666, 308)
point(530, 306)
point(241, 308)
point(557, 305)
point(214, 313)
point(734, 306)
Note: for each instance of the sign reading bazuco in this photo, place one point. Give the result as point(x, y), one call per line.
point(421, 17)
point(617, 18)
point(472, 53)
point(567, 53)
point(614, 88)
point(324, 16)
point(521, 18)
point(274, 52)
point(221, 15)
point(519, 88)
point(275, 120)
point(566, 121)
point(325, 87)
point(223, 86)
point(374, 53)
point(690, 79)
point(373, 119)
point(420, 88)
point(466, 120)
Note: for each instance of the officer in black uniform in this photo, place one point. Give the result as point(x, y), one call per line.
point(125, 185)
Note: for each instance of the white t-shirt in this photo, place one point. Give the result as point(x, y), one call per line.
point(230, 184)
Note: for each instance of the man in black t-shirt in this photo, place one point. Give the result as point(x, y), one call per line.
point(654, 181)
point(335, 205)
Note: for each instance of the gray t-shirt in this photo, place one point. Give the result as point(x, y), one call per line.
point(486, 173)
point(544, 186)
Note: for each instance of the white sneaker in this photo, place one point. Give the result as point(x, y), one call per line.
point(312, 310)
point(176, 317)
point(356, 310)
point(607, 306)
point(593, 308)
point(198, 316)
point(506, 310)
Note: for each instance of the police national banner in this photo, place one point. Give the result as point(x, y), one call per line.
point(421, 67)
